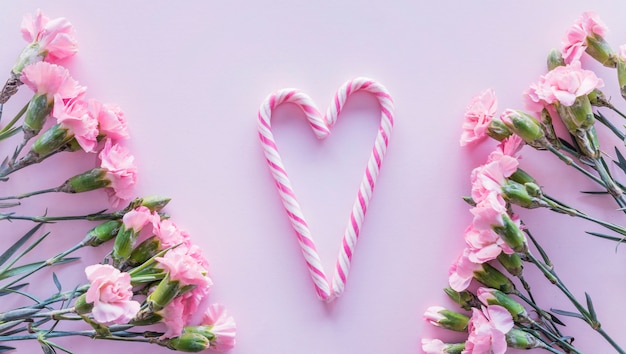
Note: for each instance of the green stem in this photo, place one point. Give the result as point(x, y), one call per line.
point(98, 216)
point(568, 161)
point(30, 194)
point(563, 208)
point(587, 317)
point(17, 117)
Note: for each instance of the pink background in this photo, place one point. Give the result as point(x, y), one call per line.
point(191, 76)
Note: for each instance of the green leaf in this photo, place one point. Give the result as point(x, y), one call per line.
point(11, 250)
point(568, 314)
point(592, 310)
point(4, 348)
point(32, 267)
point(47, 348)
point(621, 162)
point(57, 283)
point(9, 133)
point(606, 237)
point(12, 289)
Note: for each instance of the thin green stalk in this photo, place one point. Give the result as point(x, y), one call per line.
point(30, 194)
point(98, 216)
point(568, 161)
point(587, 316)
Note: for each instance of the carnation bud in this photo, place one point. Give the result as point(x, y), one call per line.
point(548, 128)
point(146, 318)
point(189, 342)
point(82, 306)
point(522, 177)
point(597, 98)
point(102, 233)
point(621, 70)
point(155, 202)
point(601, 51)
point(202, 330)
point(493, 278)
point(519, 339)
point(439, 347)
point(498, 130)
point(31, 54)
point(144, 251)
point(518, 194)
point(511, 234)
point(51, 141)
point(163, 294)
point(464, 298)
point(38, 109)
point(577, 116)
point(444, 318)
point(526, 126)
point(555, 59)
point(497, 297)
point(512, 263)
point(87, 181)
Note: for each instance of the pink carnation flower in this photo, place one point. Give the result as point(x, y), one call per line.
point(222, 326)
point(489, 178)
point(510, 146)
point(137, 218)
point(575, 40)
point(56, 38)
point(565, 83)
point(50, 80)
point(489, 212)
point(111, 294)
point(484, 245)
point(170, 235)
point(111, 120)
point(182, 311)
point(478, 115)
point(72, 115)
point(461, 272)
point(487, 330)
point(185, 269)
point(121, 171)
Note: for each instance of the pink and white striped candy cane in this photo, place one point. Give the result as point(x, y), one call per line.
point(326, 288)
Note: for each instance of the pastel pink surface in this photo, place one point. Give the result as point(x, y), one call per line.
point(190, 78)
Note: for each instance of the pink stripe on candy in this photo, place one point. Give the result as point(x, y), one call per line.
point(326, 288)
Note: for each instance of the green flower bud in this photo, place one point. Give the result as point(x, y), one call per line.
point(511, 234)
point(202, 330)
point(493, 278)
point(520, 176)
point(163, 294)
point(548, 128)
point(189, 342)
point(87, 181)
point(601, 51)
point(146, 318)
point(123, 246)
point(38, 110)
point(144, 251)
point(81, 306)
point(51, 141)
point(598, 98)
point(102, 233)
point(519, 339)
point(512, 263)
point(437, 346)
point(555, 59)
point(526, 126)
point(464, 298)
point(155, 202)
point(577, 116)
point(31, 54)
point(498, 130)
point(444, 318)
point(496, 297)
point(517, 194)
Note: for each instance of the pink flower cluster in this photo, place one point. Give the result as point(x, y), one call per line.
point(55, 38)
point(575, 40)
point(487, 329)
point(563, 84)
point(478, 115)
point(483, 243)
point(111, 294)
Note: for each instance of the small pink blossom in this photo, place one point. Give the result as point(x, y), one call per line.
point(478, 115)
point(121, 171)
point(111, 294)
point(170, 235)
point(111, 120)
point(575, 40)
point(137, 218)
point(56, 38)
point(565, 83)
point(489, 178)
point(433, 346)
point(489, 212)
point(487, 330)
point(461, 272)
point(222, 326)
point(510, 146)
point(72, 115)
point(184, 269)
point(50, 80)
point(484, 245)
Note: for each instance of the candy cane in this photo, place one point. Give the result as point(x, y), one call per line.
point(326, 288)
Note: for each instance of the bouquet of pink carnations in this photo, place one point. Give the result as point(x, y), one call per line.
point(563, 109)
point(152, 284)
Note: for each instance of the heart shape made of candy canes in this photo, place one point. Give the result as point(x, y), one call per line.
point(327, 289)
